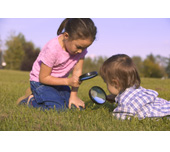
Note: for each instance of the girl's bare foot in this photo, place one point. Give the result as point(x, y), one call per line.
point(29, 99)
point(28, 92)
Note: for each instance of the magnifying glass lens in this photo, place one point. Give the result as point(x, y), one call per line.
point(97, 95)
point(99, 100)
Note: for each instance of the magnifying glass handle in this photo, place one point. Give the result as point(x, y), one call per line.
point(111, 98)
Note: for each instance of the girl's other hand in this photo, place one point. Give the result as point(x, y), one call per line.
point(76, 101)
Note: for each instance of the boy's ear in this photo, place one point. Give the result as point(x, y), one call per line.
point(115, 83)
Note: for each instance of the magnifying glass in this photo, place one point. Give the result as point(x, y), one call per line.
point(97, 95)
point(88, 75)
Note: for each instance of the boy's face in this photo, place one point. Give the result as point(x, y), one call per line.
point(112, 89)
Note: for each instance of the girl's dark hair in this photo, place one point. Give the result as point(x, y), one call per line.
point(121, 68)
point(78, 28)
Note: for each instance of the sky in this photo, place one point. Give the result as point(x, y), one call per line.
point(131, 36)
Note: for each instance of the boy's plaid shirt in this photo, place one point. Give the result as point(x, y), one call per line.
point(140, 102)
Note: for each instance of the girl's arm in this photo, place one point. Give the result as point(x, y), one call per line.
point(46, 78)
point(77, 71)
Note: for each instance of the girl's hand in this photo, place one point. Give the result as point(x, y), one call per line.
point(73, 81)
point(76, 101)
point(111, 98)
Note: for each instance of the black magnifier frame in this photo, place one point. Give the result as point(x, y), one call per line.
point(92, 98)
point(88, 75)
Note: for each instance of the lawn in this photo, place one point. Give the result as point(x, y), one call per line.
point(94, 118)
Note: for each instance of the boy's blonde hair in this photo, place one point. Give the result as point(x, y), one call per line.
point(120, 67)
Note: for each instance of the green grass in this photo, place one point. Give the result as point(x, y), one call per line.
point(94, 118)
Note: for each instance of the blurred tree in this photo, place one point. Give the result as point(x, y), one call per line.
point(15, 51)
point(88, 65)
point(29, 57)
point(20, 54)
point(93, 64)
point(167, 69)
point(161, 60)
point(0, 53)
point(98, 61)
point(152, 68)
point(139, 64)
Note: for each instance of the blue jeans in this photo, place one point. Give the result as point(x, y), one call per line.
point(47, 97)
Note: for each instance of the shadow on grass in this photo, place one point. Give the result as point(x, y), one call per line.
point(94, 106)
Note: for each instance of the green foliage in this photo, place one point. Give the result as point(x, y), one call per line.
point(30, 56)
point(93, 64)
point(94, 118)
point(139, 64)
point(151, 68)
point(20, 54)
point(15, 53)
point(168, 67)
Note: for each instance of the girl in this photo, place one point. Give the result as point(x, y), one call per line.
point(49, 79)
point(123, 82)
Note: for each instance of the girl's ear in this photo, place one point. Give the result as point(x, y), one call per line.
point(66, 35)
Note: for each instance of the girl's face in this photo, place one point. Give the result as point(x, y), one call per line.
point(76, 46)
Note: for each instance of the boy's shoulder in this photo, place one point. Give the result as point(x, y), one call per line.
point(136, 95)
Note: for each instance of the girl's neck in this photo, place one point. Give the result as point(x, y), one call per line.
point(61, 41)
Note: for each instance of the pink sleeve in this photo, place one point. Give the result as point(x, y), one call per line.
point(48, 57)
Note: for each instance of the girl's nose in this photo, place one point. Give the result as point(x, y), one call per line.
point(79, 51)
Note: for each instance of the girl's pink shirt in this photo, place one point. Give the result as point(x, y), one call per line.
point(57, 58)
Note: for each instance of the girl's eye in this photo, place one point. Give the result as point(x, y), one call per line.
point(81, 48)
